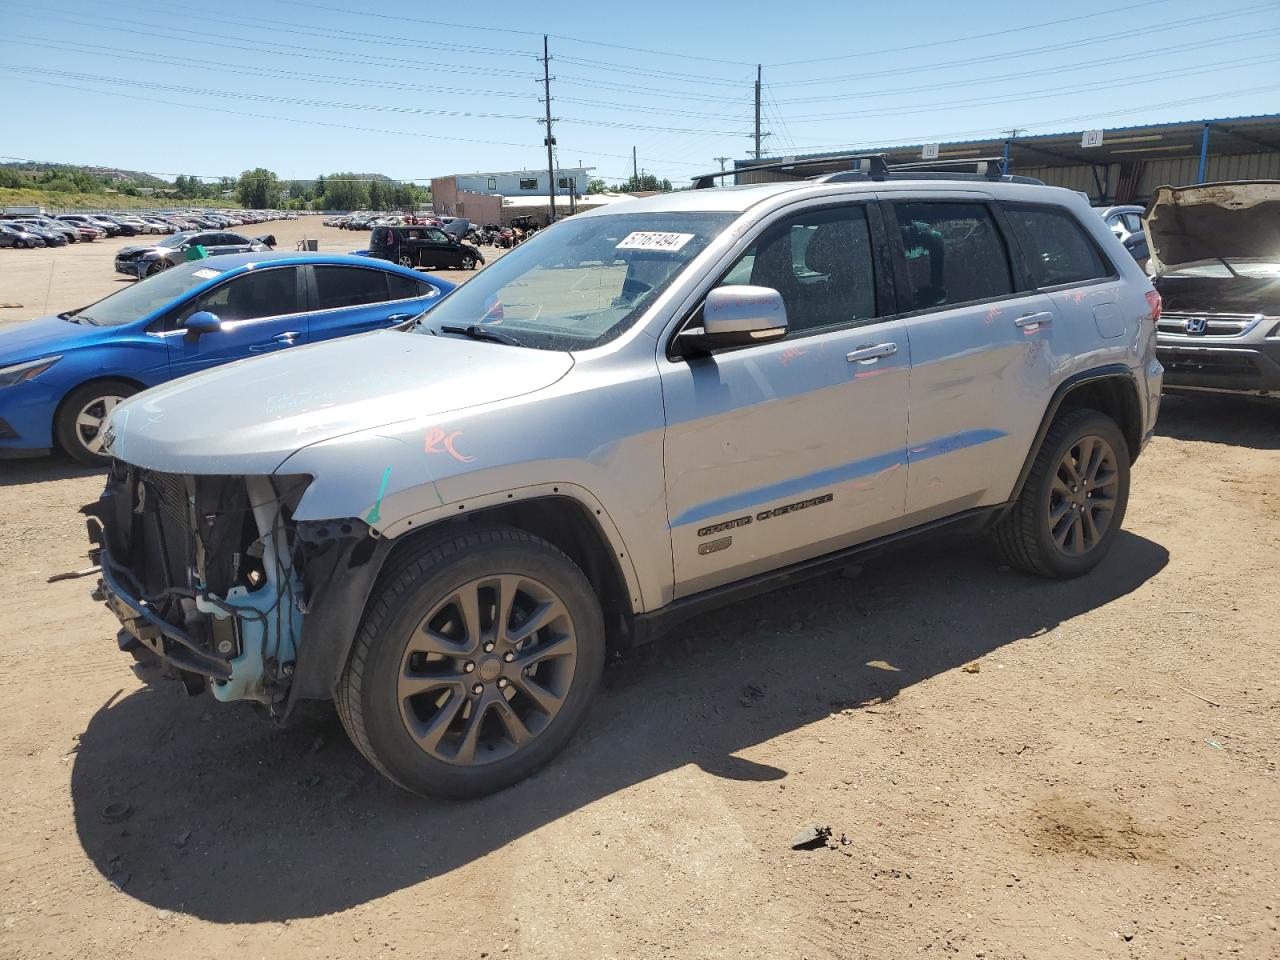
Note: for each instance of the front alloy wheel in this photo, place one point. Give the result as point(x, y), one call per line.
point(476, 663)
point(82, 418)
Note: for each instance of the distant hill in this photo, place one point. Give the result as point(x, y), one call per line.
point(109, 175)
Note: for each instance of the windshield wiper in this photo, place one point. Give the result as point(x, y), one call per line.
point(1230, 269)
point(477, 332)
point(70, 316)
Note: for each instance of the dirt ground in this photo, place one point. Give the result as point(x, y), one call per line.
point(1021, 769)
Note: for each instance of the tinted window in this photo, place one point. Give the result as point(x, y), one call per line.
point(349, 286)
point(405, 288)
point(251, 296)
point(1057, 248)
point(821, 264)
point(954, 252)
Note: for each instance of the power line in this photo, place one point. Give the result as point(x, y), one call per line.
point(1124, 8)
point(1045, 48)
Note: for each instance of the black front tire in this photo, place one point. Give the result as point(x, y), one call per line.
point(367, 695)
point(158, 266)
point(1025, 534)
point(66, 427)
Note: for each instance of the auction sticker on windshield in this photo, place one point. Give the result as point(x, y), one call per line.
point(204, 273)
point(643, 240)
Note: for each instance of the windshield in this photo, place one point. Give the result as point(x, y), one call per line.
point(582, 282)
point(145, 297)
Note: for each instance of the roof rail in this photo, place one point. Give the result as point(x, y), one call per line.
point(983, 168)
point(877, 168)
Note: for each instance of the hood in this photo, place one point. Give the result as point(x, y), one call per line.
point(249, 417)
point(136, 248)
point(1239, 220)
point(46, 337)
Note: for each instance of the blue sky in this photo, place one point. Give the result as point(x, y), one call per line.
point(305, 88)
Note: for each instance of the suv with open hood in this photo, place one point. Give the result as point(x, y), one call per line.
point(644, 411)
point(1215, 256)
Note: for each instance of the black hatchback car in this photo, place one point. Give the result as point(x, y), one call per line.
point(422, 246)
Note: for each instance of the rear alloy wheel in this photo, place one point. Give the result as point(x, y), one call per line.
point(81, 422)
point(475, 665)
point(1074, 500)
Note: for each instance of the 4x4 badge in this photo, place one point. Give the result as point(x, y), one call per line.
point(1197, 324)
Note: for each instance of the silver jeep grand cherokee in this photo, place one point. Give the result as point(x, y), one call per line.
point(643, 411)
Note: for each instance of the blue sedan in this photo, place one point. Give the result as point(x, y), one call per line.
point(60, 376)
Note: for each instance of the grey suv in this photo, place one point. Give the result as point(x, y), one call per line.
point(644, 411)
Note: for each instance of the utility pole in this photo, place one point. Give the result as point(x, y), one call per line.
point(722, 161)
point(550, 140)
point(759, 73)
point(635, 170)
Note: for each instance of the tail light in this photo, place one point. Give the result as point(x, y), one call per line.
point(1155, 304)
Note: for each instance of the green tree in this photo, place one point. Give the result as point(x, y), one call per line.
point(345, 191)
point(377, 195)
point(11, 178)
point(259, 189)
point(597, 186)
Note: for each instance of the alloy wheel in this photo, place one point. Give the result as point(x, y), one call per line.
point(468, 263)
point(90, 419)
point(487, 669)
point(406, 261)
point(1082, 496)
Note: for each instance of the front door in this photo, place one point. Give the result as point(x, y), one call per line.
point(780, 452)
point(262, 311)
point(982, 354)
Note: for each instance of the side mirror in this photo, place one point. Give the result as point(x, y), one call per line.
point(736, 316)
point(202, 321)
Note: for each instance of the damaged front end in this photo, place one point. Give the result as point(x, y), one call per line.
point(213, 575)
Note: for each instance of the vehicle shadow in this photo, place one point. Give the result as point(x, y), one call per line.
point(34, 470)
point(1252, 422)
point(231, 821)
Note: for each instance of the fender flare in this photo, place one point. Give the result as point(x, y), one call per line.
point(1113, 371)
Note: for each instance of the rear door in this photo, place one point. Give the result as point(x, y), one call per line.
point(984, 347)
point(349, 299)
point(262, 311)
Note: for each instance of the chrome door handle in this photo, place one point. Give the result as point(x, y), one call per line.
point(287, 337)
point(1034, 319)
point(871, 353)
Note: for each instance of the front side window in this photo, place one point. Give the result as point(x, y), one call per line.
point(349, 287)
point(583, 281)
point(820, 262)
point(955, 253)
point(1056, 247)
point(251, 296)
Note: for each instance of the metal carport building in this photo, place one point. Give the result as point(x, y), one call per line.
point(1125, 168)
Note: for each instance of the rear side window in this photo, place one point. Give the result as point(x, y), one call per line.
point(955, 253)
point(406, 288)
point(1057, 249)
point(350, 287)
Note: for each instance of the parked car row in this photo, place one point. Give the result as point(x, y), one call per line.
point(28, 229)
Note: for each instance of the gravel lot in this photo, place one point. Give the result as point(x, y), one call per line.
point(1020, 768)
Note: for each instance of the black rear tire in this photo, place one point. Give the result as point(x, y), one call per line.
point(369, 698)
point(1026, 534)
